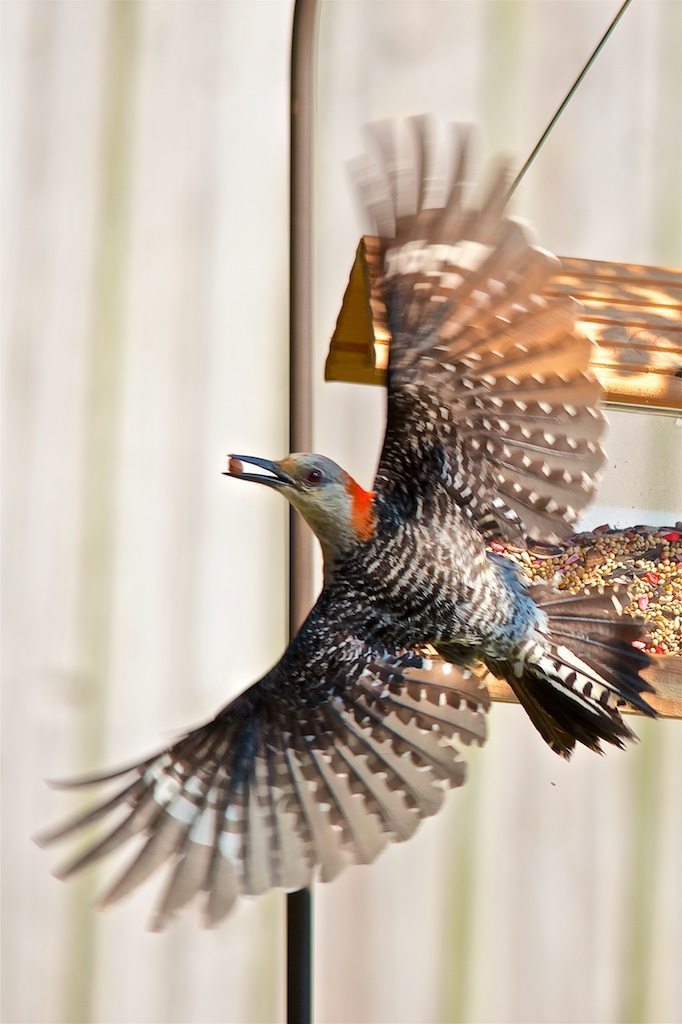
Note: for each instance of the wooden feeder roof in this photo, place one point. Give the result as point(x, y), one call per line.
point(633, 312)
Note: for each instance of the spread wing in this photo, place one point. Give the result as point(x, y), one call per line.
point(317, 765)
point(488, 382)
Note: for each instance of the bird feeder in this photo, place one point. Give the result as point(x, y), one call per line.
point(633, 313)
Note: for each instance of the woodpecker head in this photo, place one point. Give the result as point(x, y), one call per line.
point(337, 510)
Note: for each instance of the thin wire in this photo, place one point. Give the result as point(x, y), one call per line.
point(568, 97)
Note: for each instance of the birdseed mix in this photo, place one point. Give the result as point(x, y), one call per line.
point(646, 560)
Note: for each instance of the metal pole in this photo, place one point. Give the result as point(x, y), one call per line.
point(301, 590)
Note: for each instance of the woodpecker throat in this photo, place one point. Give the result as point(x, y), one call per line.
point(337, 509)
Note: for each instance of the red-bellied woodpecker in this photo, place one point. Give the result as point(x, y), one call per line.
point(492, 430)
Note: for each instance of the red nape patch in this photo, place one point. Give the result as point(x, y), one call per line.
point(362, 509)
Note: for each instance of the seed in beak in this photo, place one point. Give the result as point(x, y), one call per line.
point(235, 467)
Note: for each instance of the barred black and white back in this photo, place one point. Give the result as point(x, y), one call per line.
point(479, 358)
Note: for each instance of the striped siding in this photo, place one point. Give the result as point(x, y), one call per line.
point(145, 321)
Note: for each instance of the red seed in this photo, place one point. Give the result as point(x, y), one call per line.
point(572, 558)
point(672, 536)
point(652, 577)
point(496, 546)
point(659, 649)
point(643, 603)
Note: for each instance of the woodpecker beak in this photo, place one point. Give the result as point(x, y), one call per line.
point(277, 477)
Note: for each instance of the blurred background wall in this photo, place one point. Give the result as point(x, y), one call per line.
point(144, 249)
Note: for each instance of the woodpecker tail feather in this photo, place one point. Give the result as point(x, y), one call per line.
point(277, 786)
point(575, 684)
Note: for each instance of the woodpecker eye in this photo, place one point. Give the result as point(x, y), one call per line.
point(314, 476)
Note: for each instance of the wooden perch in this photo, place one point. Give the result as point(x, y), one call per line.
point(665, 675)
